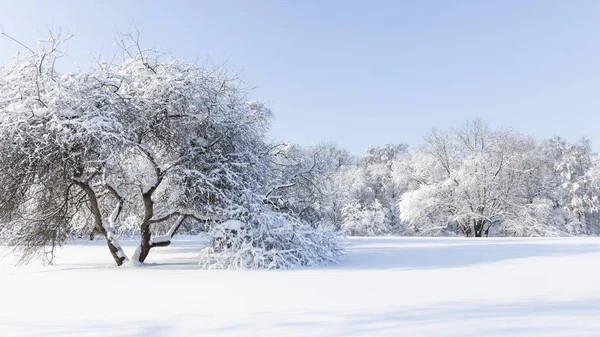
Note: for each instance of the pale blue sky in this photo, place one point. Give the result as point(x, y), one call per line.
point(368, 72)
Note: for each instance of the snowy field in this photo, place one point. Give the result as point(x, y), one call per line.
point(383, 287)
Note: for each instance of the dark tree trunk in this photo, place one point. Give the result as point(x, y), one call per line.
point(145, 242)
point(147, 193)
point(145, 227)
point(478, 227)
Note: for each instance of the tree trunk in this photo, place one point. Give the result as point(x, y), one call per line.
point(478, 228)
point(144, 243)
point(144, 248)
point(148, 243)
point(115, 249)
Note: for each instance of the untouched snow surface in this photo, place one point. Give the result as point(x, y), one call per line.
point(384, 287)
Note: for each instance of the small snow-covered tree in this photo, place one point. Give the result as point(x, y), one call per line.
point(372, 191)
point(574, 169)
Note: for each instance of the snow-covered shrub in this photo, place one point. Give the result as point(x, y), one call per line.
point(265, 239)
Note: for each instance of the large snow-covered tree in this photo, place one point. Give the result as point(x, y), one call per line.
point(473, 180)
point(154, 139)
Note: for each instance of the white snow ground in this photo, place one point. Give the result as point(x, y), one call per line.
point(384, 287)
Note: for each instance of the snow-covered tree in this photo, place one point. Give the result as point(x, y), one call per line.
point(473, 181)
point(575, 173)
point(371, 192)
point(169, 141)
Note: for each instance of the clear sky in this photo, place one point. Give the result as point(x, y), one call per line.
point(366, 72)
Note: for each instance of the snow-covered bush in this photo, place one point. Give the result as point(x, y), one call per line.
point(271, 240)
point(368, 220)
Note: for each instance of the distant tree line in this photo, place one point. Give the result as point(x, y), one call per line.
point(470, 181)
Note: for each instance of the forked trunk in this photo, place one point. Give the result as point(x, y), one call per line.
point(147, 242)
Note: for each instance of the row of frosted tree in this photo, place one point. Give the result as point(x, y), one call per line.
point(469, 181)
point(147, 145)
